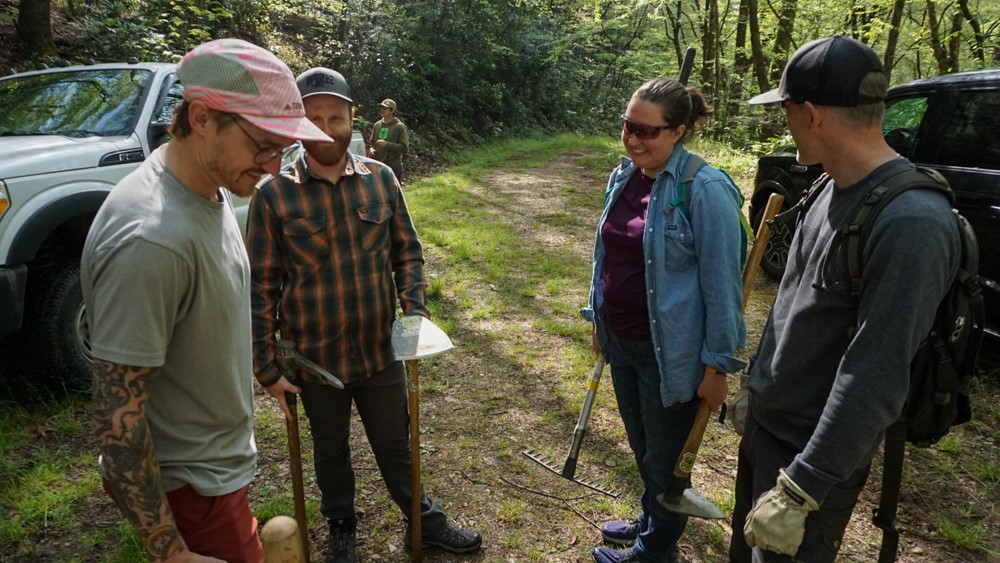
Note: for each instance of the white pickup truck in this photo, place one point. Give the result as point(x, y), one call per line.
point(67, 135)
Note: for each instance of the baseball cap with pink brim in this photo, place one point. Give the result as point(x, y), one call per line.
point(234, 76)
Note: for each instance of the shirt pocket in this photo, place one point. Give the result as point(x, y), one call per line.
point(374, 226)
point(679, 251)
point(306, 240)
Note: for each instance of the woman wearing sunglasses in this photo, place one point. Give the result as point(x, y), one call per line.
point(666, 300)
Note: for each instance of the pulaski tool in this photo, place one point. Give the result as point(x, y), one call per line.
point(288, 361)
point(415, 338)
point(679, 496)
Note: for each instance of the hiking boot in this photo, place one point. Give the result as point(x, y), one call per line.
point(620, 533)
point(340, 548)
point(608, 555)
point(449, 538)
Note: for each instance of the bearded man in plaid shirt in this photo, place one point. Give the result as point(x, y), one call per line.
point(331, 247)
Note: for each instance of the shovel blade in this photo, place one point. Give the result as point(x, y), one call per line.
point(691, 503)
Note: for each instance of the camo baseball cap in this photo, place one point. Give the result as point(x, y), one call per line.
point(235, 76)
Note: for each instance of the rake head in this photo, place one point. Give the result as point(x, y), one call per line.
point(566, 472)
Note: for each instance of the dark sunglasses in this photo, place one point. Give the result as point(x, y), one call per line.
point(644, 132)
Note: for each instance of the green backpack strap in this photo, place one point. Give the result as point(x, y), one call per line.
point(692, 165)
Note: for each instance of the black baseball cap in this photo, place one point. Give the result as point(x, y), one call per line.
point(826, 72)
point(321, 80)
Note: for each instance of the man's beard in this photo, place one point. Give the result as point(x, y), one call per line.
point(327, 154)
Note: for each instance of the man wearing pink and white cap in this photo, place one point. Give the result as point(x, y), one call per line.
point(166, 284)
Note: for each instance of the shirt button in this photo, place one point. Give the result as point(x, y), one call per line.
point(649, 261)
point(654, 321)
point(650, 229)
point(651, 291)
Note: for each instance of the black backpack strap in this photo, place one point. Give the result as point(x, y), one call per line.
point(795, 213)
point(855, 233)
point(892, 478)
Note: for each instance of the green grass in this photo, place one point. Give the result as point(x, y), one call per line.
point(511, 307)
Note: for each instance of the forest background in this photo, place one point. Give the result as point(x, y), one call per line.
point(469, 71)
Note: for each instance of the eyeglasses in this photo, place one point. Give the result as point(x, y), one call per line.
point(264, 154)
point(641, 131)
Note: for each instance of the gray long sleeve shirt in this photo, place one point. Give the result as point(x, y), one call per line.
point(833, 370)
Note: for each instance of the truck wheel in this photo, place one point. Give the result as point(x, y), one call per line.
point(56, 323)
point(776, 254)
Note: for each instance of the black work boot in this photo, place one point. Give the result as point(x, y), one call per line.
point(340, 547)
point(448, 537)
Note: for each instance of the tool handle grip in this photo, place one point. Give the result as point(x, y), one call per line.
point(763, 234)
point(689, 452)
point(280, 538)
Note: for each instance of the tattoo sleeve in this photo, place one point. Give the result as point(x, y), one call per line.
point(130, 466)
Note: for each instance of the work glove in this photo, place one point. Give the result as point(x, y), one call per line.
point(777, 521)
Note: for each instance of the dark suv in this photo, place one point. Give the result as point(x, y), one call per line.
point(950, 123)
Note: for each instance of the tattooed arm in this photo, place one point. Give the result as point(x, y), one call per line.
point(130, 466)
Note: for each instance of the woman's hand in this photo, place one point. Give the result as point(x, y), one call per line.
point(713, 389)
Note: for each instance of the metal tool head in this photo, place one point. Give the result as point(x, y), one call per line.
point(415, 337)
point(691, 503)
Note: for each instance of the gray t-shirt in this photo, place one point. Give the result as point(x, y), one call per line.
point(833, 370)
point(166, 284)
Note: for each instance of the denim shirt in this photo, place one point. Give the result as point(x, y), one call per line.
point(693, 278)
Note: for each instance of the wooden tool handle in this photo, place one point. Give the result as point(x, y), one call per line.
point(280, 537)
point(416, 538)
point(763, 234)
point(295, 467)
point(689, 452)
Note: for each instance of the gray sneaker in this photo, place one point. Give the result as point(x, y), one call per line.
point(449, 538)
point(340, 548)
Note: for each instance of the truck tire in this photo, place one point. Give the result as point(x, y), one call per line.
point(56, 327)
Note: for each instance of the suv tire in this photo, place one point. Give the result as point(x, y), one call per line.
point(57, 326)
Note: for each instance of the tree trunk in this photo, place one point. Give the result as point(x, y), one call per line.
point(889, 60)
point(783, 39)
point(709, 46)
point(978, 46)
point(759, 66)
point(741, 63)
point(34, 26)
point(941, 54)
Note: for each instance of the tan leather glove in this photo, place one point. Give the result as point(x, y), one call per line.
point(777, 521)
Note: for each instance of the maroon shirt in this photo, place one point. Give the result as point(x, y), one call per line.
point(623, 280)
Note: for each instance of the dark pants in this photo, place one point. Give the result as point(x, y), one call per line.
point(381, 402)
point(761, 456)
point(656, 435)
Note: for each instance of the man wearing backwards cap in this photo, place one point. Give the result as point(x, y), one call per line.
point(832, 370)
point(327, 238)
point(166, 283)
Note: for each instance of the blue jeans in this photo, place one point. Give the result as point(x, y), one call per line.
point(656, 435)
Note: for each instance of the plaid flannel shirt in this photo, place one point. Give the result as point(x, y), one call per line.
point(323, 258)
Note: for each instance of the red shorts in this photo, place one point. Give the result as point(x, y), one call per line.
point(221, 527)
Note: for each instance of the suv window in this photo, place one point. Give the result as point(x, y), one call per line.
point(901, 123)
point(80, 104)
point(976, 123)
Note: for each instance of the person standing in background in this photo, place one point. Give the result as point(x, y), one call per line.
point(390, 139)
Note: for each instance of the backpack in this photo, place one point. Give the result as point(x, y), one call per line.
point(692, 164)
point(943, 370)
